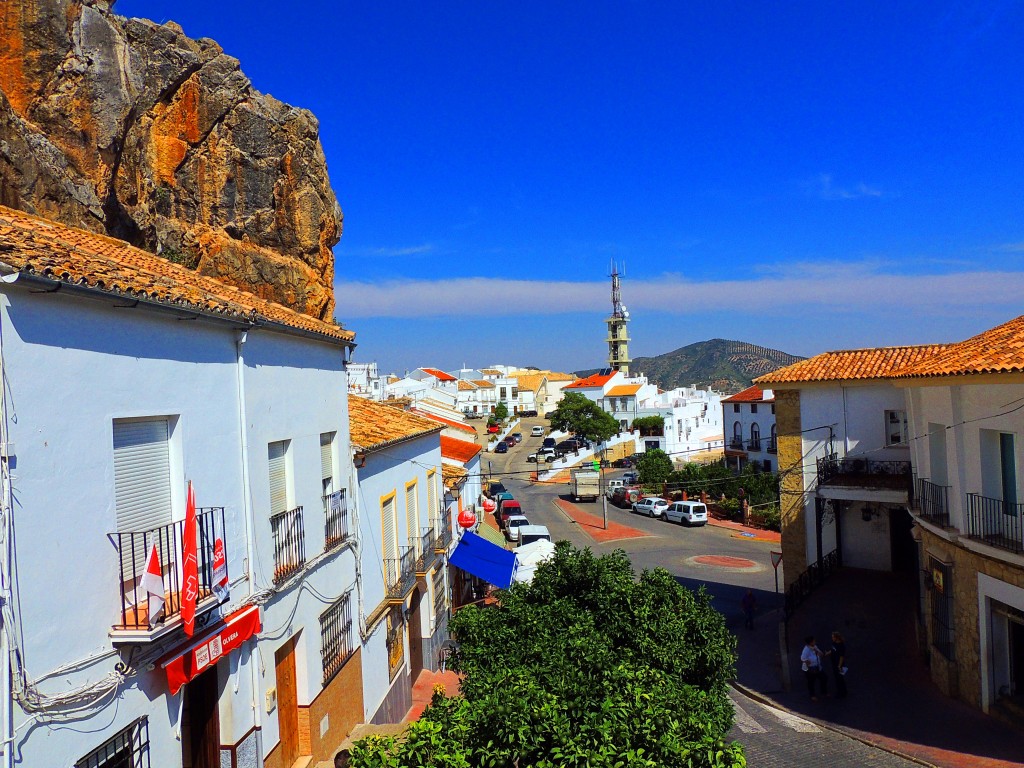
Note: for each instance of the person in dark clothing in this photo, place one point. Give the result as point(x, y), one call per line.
point(837, 654)
point(749, 605)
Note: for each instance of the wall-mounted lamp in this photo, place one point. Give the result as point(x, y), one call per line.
point(360, 459)
point(866, 513)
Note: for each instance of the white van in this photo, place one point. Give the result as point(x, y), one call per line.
point(611, 485)
point(688, 512)
point(531, 533)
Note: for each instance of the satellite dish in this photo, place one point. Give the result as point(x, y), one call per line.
point(625, 314)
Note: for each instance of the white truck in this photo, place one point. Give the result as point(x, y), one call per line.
point(586, 484)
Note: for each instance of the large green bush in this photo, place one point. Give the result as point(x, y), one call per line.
point(587, 667)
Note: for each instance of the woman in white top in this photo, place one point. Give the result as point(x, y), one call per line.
point(811, 662)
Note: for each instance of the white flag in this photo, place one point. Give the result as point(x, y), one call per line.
point(153, 584)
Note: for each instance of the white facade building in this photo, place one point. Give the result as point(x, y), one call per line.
point(364, 380)
point(749, 419)
point(126, 377)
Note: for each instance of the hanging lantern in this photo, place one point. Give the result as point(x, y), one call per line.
point(467, 519)
point(489, 506)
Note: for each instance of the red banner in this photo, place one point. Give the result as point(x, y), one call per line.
point(190, 566)
point(188, 664)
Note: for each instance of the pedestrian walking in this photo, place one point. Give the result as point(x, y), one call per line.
point(837, 655)
point(749, 605)
point(810, 662)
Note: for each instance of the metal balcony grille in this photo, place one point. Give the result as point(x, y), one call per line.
point(933, 502)
point(400, 573)
point(336, 645)
point(863, 472)
point(128, 748)
point(995, 522)
point(336, 519)
point(942, 609)
point(425, 553)
point(289, 537)
point(134, 547)
point(443, 531)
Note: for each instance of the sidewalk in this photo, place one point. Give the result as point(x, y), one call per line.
point(892, 702)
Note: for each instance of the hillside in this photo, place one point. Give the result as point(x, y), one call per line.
point(727, 366)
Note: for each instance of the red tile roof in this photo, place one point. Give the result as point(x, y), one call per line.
point(749, 395)
point(851, 364)
point(623, 390)
point(374, 425)
point(446, 422)
point(45, 249)
point(998, 350)
point(459, 450)
point(438, 374)
point(594, 380)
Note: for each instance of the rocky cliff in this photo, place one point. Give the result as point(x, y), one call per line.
point(130, 128)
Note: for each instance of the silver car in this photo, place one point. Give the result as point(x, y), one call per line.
point(652, 506)
point(512, 526)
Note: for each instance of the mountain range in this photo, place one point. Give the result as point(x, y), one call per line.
point(724, 365)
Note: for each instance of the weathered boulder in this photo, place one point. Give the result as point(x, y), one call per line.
point(130, 128)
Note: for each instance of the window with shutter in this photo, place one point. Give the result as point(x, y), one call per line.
point(327, 461)
point(390, 525)
point(432, 494)
point(142, 474)
point(277, 454)
point(411, 512)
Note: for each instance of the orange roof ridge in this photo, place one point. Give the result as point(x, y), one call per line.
point(41, 248)
point(852, 364)
point(997, 350)
point(458, 450)
point(374, 425)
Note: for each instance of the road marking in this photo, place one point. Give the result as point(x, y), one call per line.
point(745, 722)
point(748, 724)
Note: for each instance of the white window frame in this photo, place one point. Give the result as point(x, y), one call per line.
point(894, 418)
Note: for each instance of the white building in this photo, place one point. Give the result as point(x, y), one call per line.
point(749, 419)
point(365, 380)
point(126, 377)
point(405, 533)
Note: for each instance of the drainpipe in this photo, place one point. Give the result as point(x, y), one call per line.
point(250, 531)
point(7, 700)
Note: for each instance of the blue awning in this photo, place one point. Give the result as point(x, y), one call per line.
point(486, 561)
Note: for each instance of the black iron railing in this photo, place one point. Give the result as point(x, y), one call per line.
point(736, 443)
point(932, 501)
point(809, 580)
point(443, 529)
point(335, 519)
point(134, 548)
point(289, 537)
point(754, 444)
point(425, 551)
point(995, 522)
point(400, 573)
point(863, 471)
point(773, 445)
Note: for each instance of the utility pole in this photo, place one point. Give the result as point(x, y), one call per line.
point(604, 496)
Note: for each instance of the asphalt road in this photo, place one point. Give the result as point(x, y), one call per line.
point(770, 736)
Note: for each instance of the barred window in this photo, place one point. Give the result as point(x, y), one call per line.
point(336, 646)
point(942, 608)
point(440, 593)
point(128, 748)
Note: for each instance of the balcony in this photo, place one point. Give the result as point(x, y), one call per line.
point(736, 444)
point(754, 444)
point(773, 445)
point(864, 479)
point(133, 549)
point(932, 502)
point(995, 522)
point(425, 551)
point(289, 537)
point(336, 530)
point(400, 574)
point(443, 529)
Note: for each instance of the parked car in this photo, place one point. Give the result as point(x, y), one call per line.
point(537, 431)
point(528, 414)
point(569, 444)
point(501, 498)
point(612, 485)
point(472, 414)
point(509, 441)
point(625, 496)
point(549, 442)
point(518, 436)
point(531, 533)
point(508, 509)
point(512, 526)
point(687, 512)
point(501, 447)
point(630, 477)
point(622, 462)
point(545, 454)
point(652, 506)
point(493, 429)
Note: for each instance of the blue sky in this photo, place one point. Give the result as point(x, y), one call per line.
point(799, 175)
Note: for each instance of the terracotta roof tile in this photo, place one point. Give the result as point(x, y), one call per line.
point(452, 476)
point(623, 390)
point(490, 372)
point(466, 386)
point(438, 374)
point(41, 248)
point(749, 395)
point(374, 425)
point(446, 422)
point(851, 364)
point(594, 380)
point(458, 450)
point(997, 350)
point(483, 383)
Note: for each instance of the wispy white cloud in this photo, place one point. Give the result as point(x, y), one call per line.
point(1010, 248)
point(394, 251)
point(829, 190)
point(851, 289)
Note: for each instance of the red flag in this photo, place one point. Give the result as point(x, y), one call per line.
point(190, 566)
point(153, 583)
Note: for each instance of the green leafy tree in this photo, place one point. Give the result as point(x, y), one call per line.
point(649, 425)
point(580, 415)
point(501, 411)
point(587, 667)
point(654, 467)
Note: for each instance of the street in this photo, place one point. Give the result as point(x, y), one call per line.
point(772, 737)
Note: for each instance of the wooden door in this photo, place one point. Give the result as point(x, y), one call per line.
point(287, 702)
point(201, 729)
point(415, 636)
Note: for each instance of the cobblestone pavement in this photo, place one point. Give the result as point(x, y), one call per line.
point(772, 737)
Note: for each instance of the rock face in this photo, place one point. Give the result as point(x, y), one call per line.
point(130, 128)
